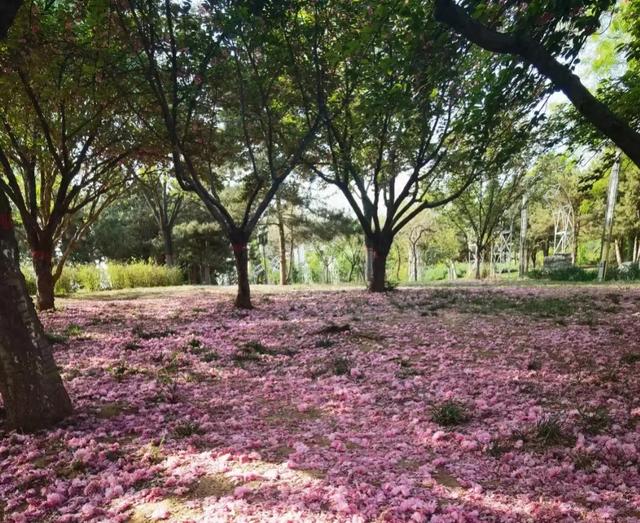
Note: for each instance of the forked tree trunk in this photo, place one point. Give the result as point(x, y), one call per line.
point(32, 391)
point(45, 283)
point(379, 268)
point(241, 254)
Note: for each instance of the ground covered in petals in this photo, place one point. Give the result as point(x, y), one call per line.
point(444, 405)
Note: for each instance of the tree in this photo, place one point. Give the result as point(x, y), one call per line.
point(547, 35)
point(32, 391)
point(221, 76)
point(410, 117)
point(165, 202)
point(61, 142)
point(480, 210)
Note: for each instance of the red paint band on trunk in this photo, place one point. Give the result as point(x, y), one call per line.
point(239, 247)
point(6, 224)
point(41, 255)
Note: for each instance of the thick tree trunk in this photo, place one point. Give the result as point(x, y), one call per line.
point(32, 391)
point(167, 238)
point(241, 254)
point(45, 283)
point(379, 268)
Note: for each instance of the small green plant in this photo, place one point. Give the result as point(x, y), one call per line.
point(629, 358)
point(186, 429)
point(583, 461)
point(449, 413)
point(144, 334)
point(54, 337)
point(341, 366)
point(131, 346)
point(120, 371)
point(209, 356)
point(167, 378)
point(594, 421)
point(549, 431)
point(73, 330)
point(534, 364)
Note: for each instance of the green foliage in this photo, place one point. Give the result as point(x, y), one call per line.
point(142, 274)
point(594, 421)
point(549, 431)
point(629, 358)
point(340, 366)
point(88, 277)
point(573, 274)
point(449, 413)
point(186, 429)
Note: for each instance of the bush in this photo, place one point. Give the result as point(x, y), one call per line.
point(569, 274)
point(67, 282)
point(627, 271)
point(89, 277)
point(141, 274)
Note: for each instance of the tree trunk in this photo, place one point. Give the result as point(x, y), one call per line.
point(618, 249)
point(241, 254)
point(414, 257)
point(45, 283)
point(283, 252)
point(378, 273)
point(478, 265)
point(576, 234)
point(167, 237)
point(32, 391)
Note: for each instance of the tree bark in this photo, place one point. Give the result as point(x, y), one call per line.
point(32, 391)
point(167, 238)
point(241, 255)
point(379, 269)
point(8, 10)
point(45, 284)
point(618, 249)
point(563, 78)
point(283, 253)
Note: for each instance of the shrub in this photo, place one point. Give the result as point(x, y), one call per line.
point(569, 274)
point(449, 413)
point(627, 271)
point(88, 277)
point(141, 274)
point(67, 282)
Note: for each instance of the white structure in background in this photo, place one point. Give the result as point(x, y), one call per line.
point(563, 229)
point(502, 245)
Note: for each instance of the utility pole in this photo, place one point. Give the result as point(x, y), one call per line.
point(612, 194)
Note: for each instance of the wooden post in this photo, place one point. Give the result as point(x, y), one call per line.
point(608, 219)
point(524, 222)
